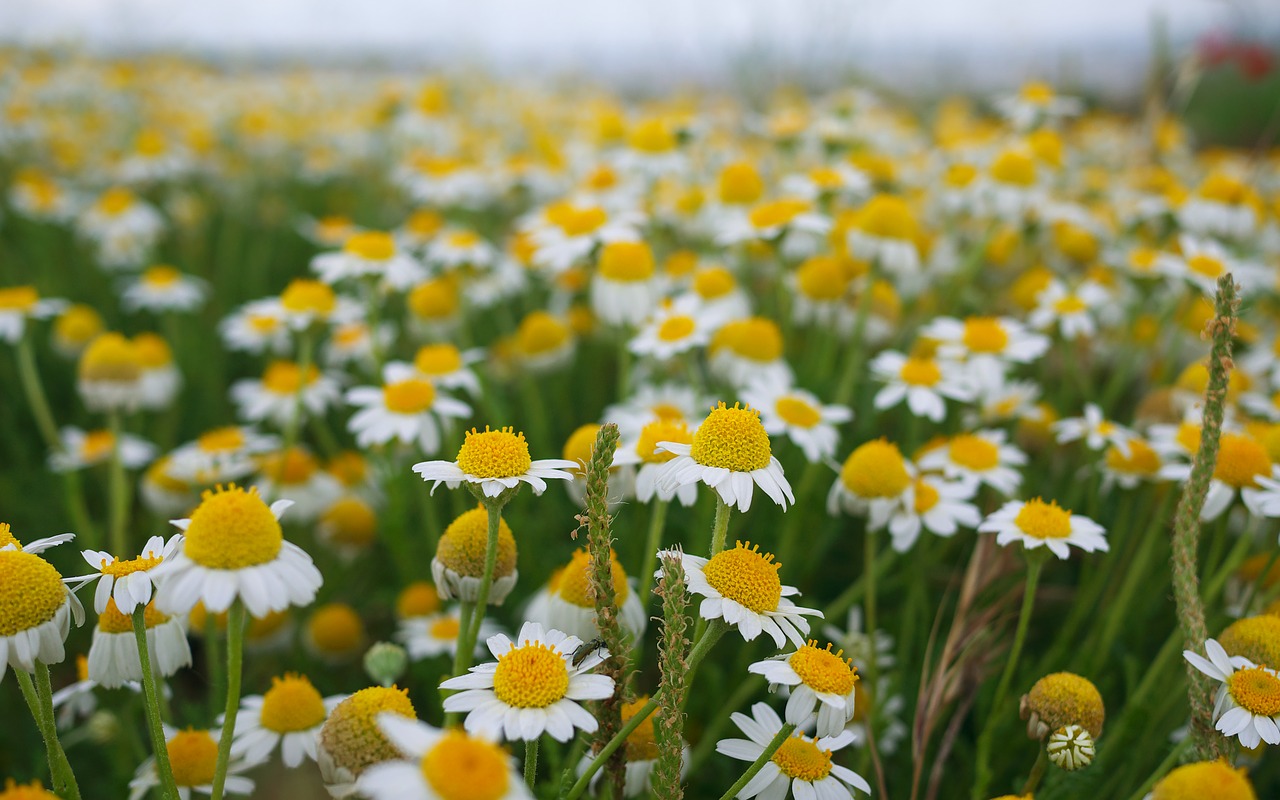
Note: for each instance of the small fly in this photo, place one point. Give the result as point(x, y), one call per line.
point(585, 650)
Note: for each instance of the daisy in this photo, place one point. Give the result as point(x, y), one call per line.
point(459, 563)
point(218, 455)
point(1141, 463)
point(579, 449)
point(1243, 467)
point(532, 688)
point(924, 383)
point(720, 293)
point(567, 604)
point(256, 327)
point(441, 764)
point(1036, 103)
point(453, 248)
point(286, 394)
point(1012, 189)
point(799, 414)
point(545, 342)
point(1222, 205)
point(820, 289)
point(448, 367)
point(437, 633)
point(1072, 310)
point(874, 480)
point(289, 715)
point(40, 608)
point(130, 583)
point(730, 453)
point(295, 473)
point(334, 633)
point(565, 233)
point(81, 449)
point(234, 549)
point(985, 344)
point(348, 526)
point(76, 701)
point(674, 328)
point(351, 741)
point(801, 764)
point(327, 231)
point(10, 542)
point(161, 380)
point(114, 659)
point(193, 755)
point(885, 231)
point(1248, 702)
point(21, 303)
point(1097, 432)
point(369, 254)
point(1036, 523)
point(494, 462)
point(625, 289)
point(162, 289)
point(981, 457)
point(355, 343)
point(669, 401)
point(791, 221)
point(741, 586)
point(406, 409)
point(652, 458)
point(820, 682)
point(122, 226)
point(109, 376)
point(939, 506)
point(305, 302)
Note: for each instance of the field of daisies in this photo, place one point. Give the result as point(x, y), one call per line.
point(392, 436)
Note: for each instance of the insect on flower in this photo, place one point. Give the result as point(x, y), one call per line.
point(586, 649)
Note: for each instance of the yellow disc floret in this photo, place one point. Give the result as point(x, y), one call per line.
point(291, 704)
point(973, 452)
point(411, 396)
point(437, 359)
point(574, 581)
point(193, 755)
point(661, 430)
point(31, 591)
point(676, 327)
point(1256, 690)
point(307, 296)
point(1241, 459)
point(746, 576)
point(335, 629)
point(288, 377)
point(18, 298)
point(541, 333)
point(418, 599)
point(462, 767)
point(985, 335)
point(1205, 780)
point(351, 735)
point(232, 529)
point(875, 469)
point(1044, 520)
point(446, 627)
point(920, 372)
point(533, 675)
point(580, 444)
point(1255, 638)
point(350, 521)
point(31, 791)
point(800, 759)
point(1063, 699)
point(822, 670)
point(733, 439)
point(797, 411)
point(754, 338)
point(641, 744)
point(462, 546)
point(494, 454)
point(110, 357)
point(370, 245)
point(626, 261)
point(111, 620)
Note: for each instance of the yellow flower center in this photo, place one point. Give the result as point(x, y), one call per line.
point(287, 377)
point(412, 396)
point(576, 221)
point(1241, 459)
point(193, 755)
point(1142, 459)
point(1064, 698)
point(112, 620)
point(974, 452)
point(1255, 638)
point(579, 446)
point(494, 454)
point(746, 577)
point(446, 627)
point(153, 351)
point(626, 261)
point(32, 791)
point(18, 298)
point(232, 529)
point(291, 467)
point(754, 338)
point(920, 372)
point(97, 445)
point(332, 228)
point(437, 359)
point(822, 670)
point(417, 600)
point(262, 323)
point(740, 184)
point(662, 430)
point(161, 275)
point(1224, 188)
point(1069, 304)
point(306, 296)
point(370, 245)
point(7, 538)
point(351, 521)
point(1044, 520)
point(712, 283)
point(732, 438)
point(652, 136)
point(777, 213)
point(926, 497)
point(533, 675)
point(1204, 780)
point(435, 299)
point(675, 328)
point(887, 216)
point(424, 222)
point(77, 325)
point(573, 584)
point(463, 239)
point(960, 175)
point(800, 759)
point(875, 469)
point(351, 734)
point(1014, 167)
point(985, 335)
point(221, 440)
point(641, 744)
point(350, 335)
point(822, 278)
point(292, 704)
point(31, 591)
point(119, 569)
point(110, 357)
point(1037, 93)
point(460, 767)
point(540, 332)
point(1208, 266)
point(335, 629)
point(462, 546)
point(115, 201)
point(1255, 690)
point(797, 411)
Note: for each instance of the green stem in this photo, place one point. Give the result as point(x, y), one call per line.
point(791, 532)
point(119, 490)
point(235, 658)
point(720, 527)
point(213, 662)
point(36, 398)
point(152, 706)
point(531, 762)
point(657, 521)
point(64, 780)
point(462, 658)
point(1037, 773)
point(494, 508)
point(781, 736)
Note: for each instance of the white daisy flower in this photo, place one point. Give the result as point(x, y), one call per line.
point(565, 233)
point(936, 505)
point(256, 327)
point(10, 542)
point(1248, 702)
point(458, 247)
point(495, 461)
point(219, 455)
point(1243, 467)
point(874, 481)
point(21, 303)
point(289, 715)
point(129, 583)
point(800, 415)
point(641, 753)
point(40, 607)
point(113, 656)
point(566, 604)
point(406, 409)
point(163, 288)
point(1036, 523)
point(233, 548)
point(437, 634)
point(1097, 432)
point(81, 449)
point(1036, 103)
point(532, 689)
point(925, 383)
point(673, 401)
point(986, 344)
point(370, 254)
point(296, 474)
point(355, 343)
point(801, 765)
point(652, 459)
point(1071, 310)
point(625, 288)
point(441, 764)
point(820, 682)
point(983, 456)
point(676, 327)
point(286, 394)
point(123, 227)
point(1223, 205)
point(741, 586)
point(193, 755)
point(1203, 261)
point(448, 367)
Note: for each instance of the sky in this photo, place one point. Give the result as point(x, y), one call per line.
point(1105, 42)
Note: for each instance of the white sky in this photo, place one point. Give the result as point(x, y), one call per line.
point(922, 40)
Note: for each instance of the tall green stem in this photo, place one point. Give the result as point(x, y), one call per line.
point(781, 736)
point(531, 762)
point(235, 659)
point(494, 508)
point(151, 697)
point(40, 699)
point(649, 560)
point(120, 496)
point(720, 527)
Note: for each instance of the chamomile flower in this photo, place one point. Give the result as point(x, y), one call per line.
point(1243, 467)
point(579, 449)
point(1203, 261)
point(790, 221)
point(820, 682)
point(749, 349)
point(674, 328)
point(10, 542)
point(355, 343)
point(802, 766)
point(1036, 103)
point(161, 380)
point(652, 458)
point(287, 393)
point(256, 327)
point(113, 657)
point(406, 409)
point(448, 367)
point(36, 609)
point(741, 586)
point(21, 303)
point(234, 549)
point(625, 289)
point(1094, 429)
point(885, 230)
point(289, 715)
point(730, 453)
point(305, 302)
point(925, 383)
point(566, 602)
point(545, 342)
point(494, 462)
point(566, 233)
point(1210, 780)
point(81, 449)
point(130, 583)
point(1036, 523)
point(435, 634)
point(800, 415)
point(986, 344)
point(981, 457)
point(193, 757)
point(1072, 311)
point(1222, 205)
point(720, 293)
point(1247, 705)
point(218, 455)
point(435, 764)
point(123, 227)
point(348, 526)
point(458, 566)
point(453, 248)
point(351, 740)
point(668, 401)
point(368, 254)
point(1142, 463)
point(109, 377)
point(163, 289)
point(939, 506)
point(874, 480)
point(334, 633)
point(532, 688)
